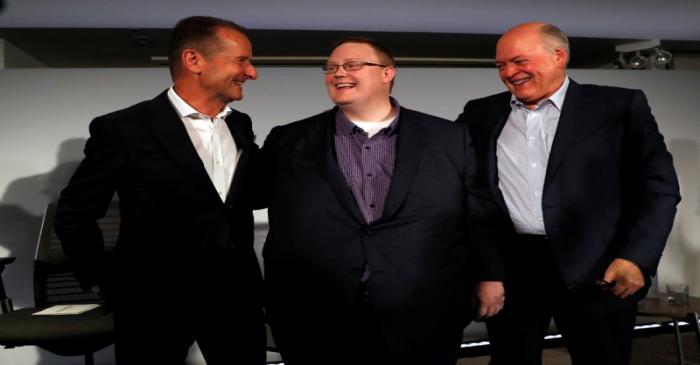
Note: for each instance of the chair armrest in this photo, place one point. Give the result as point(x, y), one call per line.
point(4, 261)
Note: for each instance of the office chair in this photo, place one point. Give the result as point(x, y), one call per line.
point(55, 283)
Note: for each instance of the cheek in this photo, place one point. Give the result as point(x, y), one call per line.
point(329, 84)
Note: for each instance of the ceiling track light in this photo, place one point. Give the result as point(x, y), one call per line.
point(643, 55)
point(662, 57)
point(638, 62)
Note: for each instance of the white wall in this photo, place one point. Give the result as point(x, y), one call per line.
point(44, 114)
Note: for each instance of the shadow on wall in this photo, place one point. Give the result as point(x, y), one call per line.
point(686, 158)
point(21, 211)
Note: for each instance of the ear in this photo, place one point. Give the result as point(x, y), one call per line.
point(388, 74)
point(192, 60)
point(561, 57)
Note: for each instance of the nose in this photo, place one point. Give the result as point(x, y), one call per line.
point(507, 70)
point(251, 72)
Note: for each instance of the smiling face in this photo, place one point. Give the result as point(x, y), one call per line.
point(361, 87)
point(530, 65)
point(228, 66)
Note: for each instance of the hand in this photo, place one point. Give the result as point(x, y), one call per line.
point(627, 276)
point(490, 297)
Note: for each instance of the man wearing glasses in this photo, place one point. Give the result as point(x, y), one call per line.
point(368, 256)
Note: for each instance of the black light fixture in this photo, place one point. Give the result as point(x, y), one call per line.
point(643, 55)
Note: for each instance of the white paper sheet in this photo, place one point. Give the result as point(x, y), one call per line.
point(66, 309)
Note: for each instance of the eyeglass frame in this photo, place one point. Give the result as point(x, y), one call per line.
point(346, 66)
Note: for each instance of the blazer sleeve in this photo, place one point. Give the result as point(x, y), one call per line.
point(483, 213)
point(266, 168)
point(649, 172)
point(86, 199)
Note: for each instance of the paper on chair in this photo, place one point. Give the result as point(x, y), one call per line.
point(66, 309)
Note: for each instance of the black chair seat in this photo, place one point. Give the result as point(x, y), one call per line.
point(61, 334)
point(55, 283)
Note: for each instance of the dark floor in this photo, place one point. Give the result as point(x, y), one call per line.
point(654, 350)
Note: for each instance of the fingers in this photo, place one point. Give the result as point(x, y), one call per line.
point(488, 311)
point(491, 297)
point(609, 276)
point(627, 276)
point(491, 309)
point(626, 288)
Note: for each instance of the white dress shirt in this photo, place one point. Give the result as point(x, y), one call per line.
point(522, 153)
point(213, 141)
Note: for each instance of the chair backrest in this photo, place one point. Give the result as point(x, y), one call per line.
point(54, 281)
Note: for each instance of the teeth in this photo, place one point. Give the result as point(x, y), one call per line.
point(518, 82)
point(344, 85)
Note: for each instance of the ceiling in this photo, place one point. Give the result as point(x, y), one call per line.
point(131, 33)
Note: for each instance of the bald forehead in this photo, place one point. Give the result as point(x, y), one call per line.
point(531, 32)
point(542, 34)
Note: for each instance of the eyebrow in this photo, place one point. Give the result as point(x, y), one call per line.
point(348, 60)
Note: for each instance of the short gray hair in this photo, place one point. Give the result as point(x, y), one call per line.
point(556, 36)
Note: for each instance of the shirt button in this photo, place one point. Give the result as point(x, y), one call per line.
point(369, 175)
point(367, 147)
point(372, 205)
point(534, 164)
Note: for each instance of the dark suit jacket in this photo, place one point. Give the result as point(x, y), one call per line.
point(418, 251)
point(610, 189)
point(173, 223)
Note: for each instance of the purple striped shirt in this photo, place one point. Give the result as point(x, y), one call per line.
point(367, 163)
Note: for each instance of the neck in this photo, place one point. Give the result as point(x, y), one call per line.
point(376, 112)
point(557, 85)
point(199, 100)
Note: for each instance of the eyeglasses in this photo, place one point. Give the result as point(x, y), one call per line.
point(348, 66)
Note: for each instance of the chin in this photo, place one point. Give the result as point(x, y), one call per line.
point(522, 96)
point(339, 100)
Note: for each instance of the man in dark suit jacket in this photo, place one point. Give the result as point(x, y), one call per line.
point(367, 258)
point(587, 194)
point(184, 268)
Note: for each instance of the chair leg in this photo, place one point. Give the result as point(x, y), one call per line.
point(693, 318)
point(6, 305)
point(89, 359)
point(679, 344)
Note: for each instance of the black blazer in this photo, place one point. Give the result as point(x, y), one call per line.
point(418, 251)
point(610, 188)
point(172, 219)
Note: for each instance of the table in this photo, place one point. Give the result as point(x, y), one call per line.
point(659, 307)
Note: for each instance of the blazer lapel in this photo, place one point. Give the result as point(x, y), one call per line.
point(322, 153)
point(410, 144)
point(245, 144)
point(499, 114)
point(170, 131)
point(570, 121)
